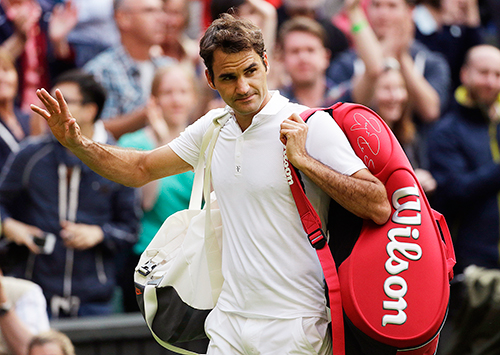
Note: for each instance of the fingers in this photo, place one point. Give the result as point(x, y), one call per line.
point(48, 101)
point(40, 111)
point(295, 117)
point(62, 103)
point(32, 246)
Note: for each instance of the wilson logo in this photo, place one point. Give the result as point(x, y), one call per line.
point(286, 165)
point(401, 249)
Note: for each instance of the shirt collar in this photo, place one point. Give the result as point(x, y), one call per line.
point(275, 104)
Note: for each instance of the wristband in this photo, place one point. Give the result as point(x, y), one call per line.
point(358, 26)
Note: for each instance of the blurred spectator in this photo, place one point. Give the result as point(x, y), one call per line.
point(126, 70)
point(490, 21)
point(95, 30)
point(179, 46)
point(23, 312)
point(449, 27)
point(170, 110)
point(176, 43)
point(72, 220)
point(305, 57)
point(426, 73)
point(391, 102)
point(465, 160)
point(209, 14)
point(14, 124)
point(336, 40)
point(52, 342)
point(44, 51)
point(260, 12)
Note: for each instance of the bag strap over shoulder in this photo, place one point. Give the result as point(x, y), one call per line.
point(312, 226)
point(210, 136)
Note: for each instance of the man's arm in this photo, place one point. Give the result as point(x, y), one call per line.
point(126, 166)
point(361, 193)
point(16, 334)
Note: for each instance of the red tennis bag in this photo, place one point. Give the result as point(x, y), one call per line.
point(393, 278)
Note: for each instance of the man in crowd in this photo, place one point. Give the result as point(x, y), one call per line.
point(72, 220)
point(305, 57)
point(126, 70)
point(267, 295)
point(465, 161)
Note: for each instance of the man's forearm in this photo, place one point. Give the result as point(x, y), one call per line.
point(127, 166)
point(16, 334)
point(114, 163)
point(426, 101)
point(362, 193)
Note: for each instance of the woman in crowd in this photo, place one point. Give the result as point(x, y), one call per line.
point(170, 111)
point(391, 102)
point(14, 124)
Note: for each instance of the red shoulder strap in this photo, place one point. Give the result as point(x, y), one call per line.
point(312, 226)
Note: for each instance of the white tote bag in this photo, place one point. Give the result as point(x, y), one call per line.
point(178, 278)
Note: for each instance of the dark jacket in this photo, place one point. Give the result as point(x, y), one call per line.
point(30, 187)
point(461, 161)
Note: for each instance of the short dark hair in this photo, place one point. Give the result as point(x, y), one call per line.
point(303, 24)
point(231, 35)
point(91, 90)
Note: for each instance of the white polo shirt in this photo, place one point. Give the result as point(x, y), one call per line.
point(269, 267)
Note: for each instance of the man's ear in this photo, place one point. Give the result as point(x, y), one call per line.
point(122, 20)
point(90, 111)
point(266, 62)
point(209, 79)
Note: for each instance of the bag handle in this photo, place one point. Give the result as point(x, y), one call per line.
point(312, 226)
point(448, 243)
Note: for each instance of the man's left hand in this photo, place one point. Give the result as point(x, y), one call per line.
point(293, 134)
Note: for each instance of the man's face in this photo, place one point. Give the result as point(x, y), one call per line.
point(84, 113)
point(306, 5)
point(8, 83)
point(390, 96)
point(241, 80)
point(304, 57)
point(175, 97)
point(176, 17)
point(385, 14)
point(482, 76)
point(144, 19)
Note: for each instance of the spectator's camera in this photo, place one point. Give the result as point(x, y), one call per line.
point(46, 242)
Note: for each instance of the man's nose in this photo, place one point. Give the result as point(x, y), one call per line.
point(242, 86)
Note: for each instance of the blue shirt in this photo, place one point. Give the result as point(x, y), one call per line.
point(119, 74)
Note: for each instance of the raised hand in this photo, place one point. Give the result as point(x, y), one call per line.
point(62, 124)
point(157, 122)
point(63, 19)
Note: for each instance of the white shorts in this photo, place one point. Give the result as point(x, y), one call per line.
point(232, 334)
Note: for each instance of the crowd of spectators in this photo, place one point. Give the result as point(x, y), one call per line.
point(131, 73)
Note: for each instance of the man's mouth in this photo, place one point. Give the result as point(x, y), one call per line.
point(246, 98)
